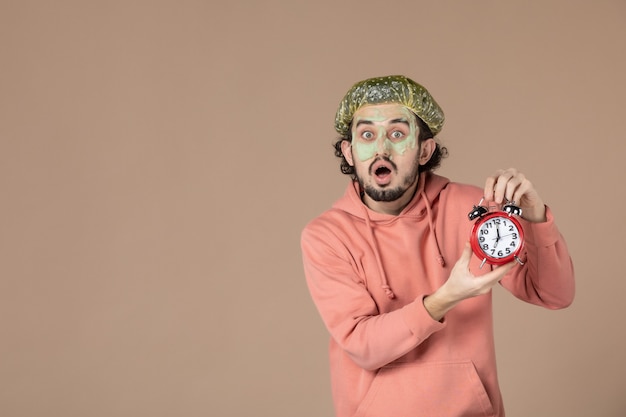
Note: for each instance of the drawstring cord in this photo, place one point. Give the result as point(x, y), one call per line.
point(383, 277)
point(439, 256)
point(384, 284)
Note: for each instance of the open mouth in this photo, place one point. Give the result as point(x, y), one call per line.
point(382, 170)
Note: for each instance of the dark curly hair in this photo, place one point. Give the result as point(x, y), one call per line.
point(425, 133)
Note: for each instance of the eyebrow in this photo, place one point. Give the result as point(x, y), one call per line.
point(399, 120)
point(394, 121)
point(363, 122)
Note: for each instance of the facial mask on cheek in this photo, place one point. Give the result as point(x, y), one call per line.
point(368, 150)
point(401, 147)
point(365, 151)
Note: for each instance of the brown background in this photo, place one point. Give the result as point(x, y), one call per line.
point(159, 159)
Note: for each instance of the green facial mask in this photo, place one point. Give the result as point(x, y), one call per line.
point(366, 150)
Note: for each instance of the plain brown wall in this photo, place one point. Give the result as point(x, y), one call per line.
point(159, 159)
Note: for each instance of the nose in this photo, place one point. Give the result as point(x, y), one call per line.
point(384, 146)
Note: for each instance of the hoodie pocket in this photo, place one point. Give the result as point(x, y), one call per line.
point(433, 389)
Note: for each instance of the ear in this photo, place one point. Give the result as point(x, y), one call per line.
point(426, 150)
point(346, 149)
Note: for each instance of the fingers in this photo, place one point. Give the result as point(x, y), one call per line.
point(463, 284)
point(467, 254)
point(502, 270)
point(462, 264)
point(506, 184)
point(492, 277)
point(512, 185)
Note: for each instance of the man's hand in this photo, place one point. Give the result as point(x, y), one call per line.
point(514, 186)
point(462, 284)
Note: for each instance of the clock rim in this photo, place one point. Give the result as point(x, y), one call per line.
point(475, 244)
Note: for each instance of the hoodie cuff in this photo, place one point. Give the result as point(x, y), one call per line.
point(419, 321)
point(542, 234)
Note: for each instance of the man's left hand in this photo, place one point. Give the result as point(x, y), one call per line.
point(512, 185)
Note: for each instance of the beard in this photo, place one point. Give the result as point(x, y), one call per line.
point(384, 194)
point(391, 194)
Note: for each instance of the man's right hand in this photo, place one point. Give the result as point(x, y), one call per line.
point(462, 284)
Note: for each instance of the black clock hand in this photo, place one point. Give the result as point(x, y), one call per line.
point(497, 236)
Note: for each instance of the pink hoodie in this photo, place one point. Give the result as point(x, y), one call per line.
point(368, 274)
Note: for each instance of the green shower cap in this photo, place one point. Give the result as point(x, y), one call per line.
point(391, 89)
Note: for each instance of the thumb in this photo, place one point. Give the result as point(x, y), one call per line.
point(499, 272)
point(466, 255)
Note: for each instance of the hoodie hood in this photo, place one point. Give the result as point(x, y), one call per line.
point(418, 209)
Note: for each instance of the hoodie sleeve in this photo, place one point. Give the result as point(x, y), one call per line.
point(547, 276)
point(350, 313)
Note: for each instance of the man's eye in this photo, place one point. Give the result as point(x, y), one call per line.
point(397, 135)
point(368, 135)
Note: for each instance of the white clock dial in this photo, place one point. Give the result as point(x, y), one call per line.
point(498, 237)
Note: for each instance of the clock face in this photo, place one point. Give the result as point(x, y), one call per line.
point(497, 238)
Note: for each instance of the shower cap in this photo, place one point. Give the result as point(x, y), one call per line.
point(391, 89)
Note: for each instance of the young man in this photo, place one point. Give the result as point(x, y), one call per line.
point(391, 272)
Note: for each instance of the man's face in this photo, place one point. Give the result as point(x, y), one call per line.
point(384, 150)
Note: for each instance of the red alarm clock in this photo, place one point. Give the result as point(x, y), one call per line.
point(497, 236)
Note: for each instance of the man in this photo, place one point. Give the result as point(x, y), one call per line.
point(391, 272)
